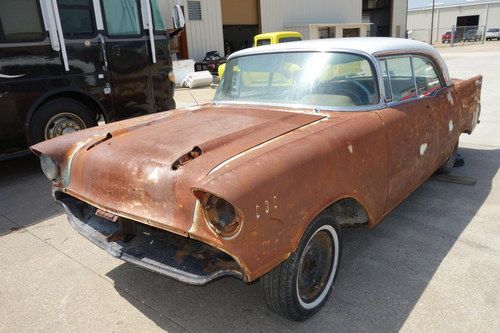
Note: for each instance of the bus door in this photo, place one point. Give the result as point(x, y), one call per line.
point(127, 57)
point(160, 68)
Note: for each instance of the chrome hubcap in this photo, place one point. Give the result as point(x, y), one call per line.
point(63, 123)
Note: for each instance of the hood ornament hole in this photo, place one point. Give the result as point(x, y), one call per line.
point(186, 158)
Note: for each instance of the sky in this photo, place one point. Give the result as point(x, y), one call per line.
point(428, 3)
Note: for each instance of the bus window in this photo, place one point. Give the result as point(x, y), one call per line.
point(158, 23)
point(20, 21)
point(76, 18)
point(122, 17)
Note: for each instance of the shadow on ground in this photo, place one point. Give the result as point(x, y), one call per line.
point(25, 195)
point(383, 274)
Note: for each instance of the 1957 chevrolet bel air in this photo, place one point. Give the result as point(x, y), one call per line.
point(301, 140)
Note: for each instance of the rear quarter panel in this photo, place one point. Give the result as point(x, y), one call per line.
point(467, 106)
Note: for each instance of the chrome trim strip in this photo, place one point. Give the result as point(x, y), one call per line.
point(4, 76)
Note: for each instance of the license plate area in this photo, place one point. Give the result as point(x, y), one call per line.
point(106, 215)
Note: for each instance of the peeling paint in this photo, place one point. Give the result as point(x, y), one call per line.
point(154, 175)
point(450, 125)
point(349, 147)
point(423, 148)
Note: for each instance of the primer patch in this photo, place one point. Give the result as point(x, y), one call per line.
point(154, 175)
point(349, 147)
point(423, 148)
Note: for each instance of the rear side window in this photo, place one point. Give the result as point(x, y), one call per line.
point(77, 19)
point(122, 17)
point(426, 77)
point(401, 78)
point(20, 21)
point(261, 42)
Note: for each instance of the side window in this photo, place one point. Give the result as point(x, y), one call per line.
point(122, 17)
point(261, 42)
point(158, 23)
point(77, 19)
point(20, 21)
point(289, 39)
point(426, 76)
point(401, 78)
point(385, 77)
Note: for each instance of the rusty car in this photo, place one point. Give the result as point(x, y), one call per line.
point(300, 140)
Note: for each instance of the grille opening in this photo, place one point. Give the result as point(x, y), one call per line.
point(166, 253)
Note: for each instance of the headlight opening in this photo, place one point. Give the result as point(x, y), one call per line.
point(49, 167)
point(222, 217)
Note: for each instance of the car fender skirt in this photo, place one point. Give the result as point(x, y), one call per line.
point(178, 257)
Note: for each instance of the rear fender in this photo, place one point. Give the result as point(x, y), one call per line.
point(467, 105)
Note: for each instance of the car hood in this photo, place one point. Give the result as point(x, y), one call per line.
point(144, 168)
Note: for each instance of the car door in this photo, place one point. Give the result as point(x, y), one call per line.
point(413, 122)
point(128, 58)
point(161, 66)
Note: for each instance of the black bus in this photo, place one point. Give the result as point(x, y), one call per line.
point(64, 64)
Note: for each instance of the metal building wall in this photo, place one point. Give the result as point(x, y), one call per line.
point(202, 36)
point(399, 9)
point(446, 17)
point(276, 14)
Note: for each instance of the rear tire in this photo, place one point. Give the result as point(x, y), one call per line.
point(301, 285)
point(447, 167)
point(58, 117)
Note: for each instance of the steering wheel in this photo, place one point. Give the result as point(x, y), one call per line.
point(365, 90)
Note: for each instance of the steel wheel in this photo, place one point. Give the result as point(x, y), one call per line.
point(317, 267)
point(300, 285)
point(63, 123)
point(58, 117)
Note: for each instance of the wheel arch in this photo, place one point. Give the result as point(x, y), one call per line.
point(72, 93)
point(347, 211)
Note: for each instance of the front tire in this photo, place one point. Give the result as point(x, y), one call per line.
point(58, 117)
point(301, 285)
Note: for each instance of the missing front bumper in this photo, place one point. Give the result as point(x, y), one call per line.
point(156, 250)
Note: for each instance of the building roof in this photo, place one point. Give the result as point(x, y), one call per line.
point(454, 5)
point(371, 46)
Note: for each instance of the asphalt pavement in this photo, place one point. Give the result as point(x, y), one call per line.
point(432, 265)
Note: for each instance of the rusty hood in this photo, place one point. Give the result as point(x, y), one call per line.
point(144, 168)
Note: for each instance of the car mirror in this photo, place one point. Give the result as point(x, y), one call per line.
point(178, 17)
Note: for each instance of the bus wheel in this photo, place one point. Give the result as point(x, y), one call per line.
point(58, 117)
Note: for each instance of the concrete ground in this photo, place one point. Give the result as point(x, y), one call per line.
point(432, 265)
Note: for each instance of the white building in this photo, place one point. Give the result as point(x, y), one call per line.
point(229, 25)
point(481, 14)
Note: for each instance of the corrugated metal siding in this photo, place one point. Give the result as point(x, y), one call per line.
point(445, 18)
point(202, 36)
point(399, 9)
point(276, 14)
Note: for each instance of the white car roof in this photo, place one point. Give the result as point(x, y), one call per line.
point(368, 45)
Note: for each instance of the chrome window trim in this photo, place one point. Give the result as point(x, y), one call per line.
point(381, 104)
point(315, 108)
point(411, 55)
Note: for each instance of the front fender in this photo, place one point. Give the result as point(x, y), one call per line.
point(282, 185)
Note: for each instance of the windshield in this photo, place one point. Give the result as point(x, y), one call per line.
point(334, 80)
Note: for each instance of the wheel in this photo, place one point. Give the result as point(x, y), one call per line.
point(58, 117)
point(300, 286)
point(450, 162)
